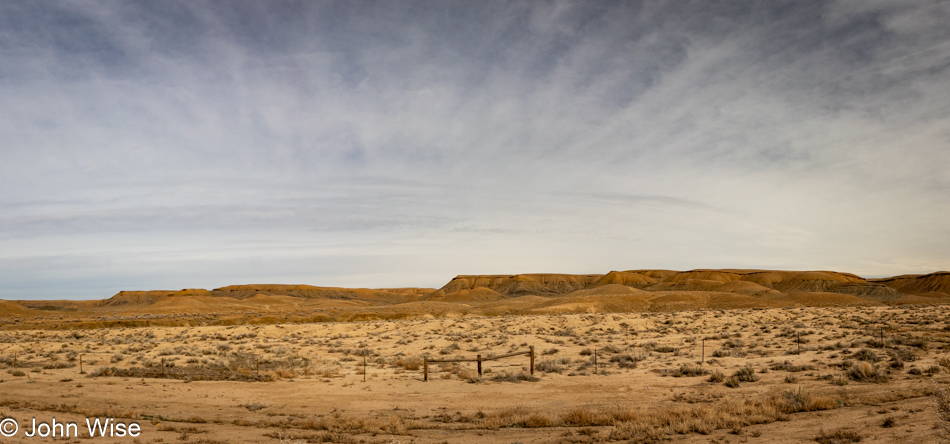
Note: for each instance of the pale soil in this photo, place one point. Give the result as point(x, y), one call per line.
point(318, 393)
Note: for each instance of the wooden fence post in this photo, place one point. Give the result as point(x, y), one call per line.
point(80, 365)
point(163, 367)
point(704, 353)
point(478, 359)
point(364, 368)
point(799, 342)
point(882, 336)
point(14, 360)
point(257, 365)
point(532, 359)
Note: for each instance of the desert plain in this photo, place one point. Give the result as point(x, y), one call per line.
point(629, 356)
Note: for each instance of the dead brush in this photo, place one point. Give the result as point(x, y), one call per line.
point(941, 398)
point(790, 367)
point(689, 370)
point(626, 360)
point(866, 372)
point(727, 414)
point(840, 436)
point(393, 425)
point(504, 376)
point(866, 355)
point(746, 374)
point(549, 366)
point(409, 363)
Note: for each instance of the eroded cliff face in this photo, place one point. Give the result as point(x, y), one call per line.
point(748, 282)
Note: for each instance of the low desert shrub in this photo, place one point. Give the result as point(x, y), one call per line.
point(865, 372)
point(941, 396)
point(689, 370)
point(514, 377)
point(840, 436)
point(790, 367)
point(625, 360)
point(412, 363)
point(746, 374)
point(866, 355)
point(549, 366)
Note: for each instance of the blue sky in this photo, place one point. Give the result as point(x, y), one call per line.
point(165, 145)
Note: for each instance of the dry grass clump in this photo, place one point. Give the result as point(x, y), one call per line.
point(394, 425)
point(942, 400)
point(744, 374)
point(918, 342)
point(789, 367)
point(520, 417)
point(865, 372)
point(549, 366)
point(653, 425)
point(410, 363)
point(840, 436)
point(866, 355)
point(514, 377)
point(626, 360)
point(689, 370)
point(191, 373)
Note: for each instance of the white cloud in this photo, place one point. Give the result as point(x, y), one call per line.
point(373, 145)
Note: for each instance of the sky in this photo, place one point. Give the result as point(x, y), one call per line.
point(196, 144)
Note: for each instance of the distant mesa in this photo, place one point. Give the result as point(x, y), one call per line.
point(533, 293)
point(738, 281)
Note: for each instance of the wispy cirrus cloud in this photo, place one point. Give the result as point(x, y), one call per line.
point(557, 136)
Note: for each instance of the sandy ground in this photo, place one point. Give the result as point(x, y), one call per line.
point(305, 382)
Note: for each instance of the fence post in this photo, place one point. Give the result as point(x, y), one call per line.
point(479, 357)
point(163, 367)
point(80, 365)
point(257, 365)
point(882, 336)
point(799, 342)
point(704, 353)
point(14, 360)
point(532, 359)
point(595, 362)
point(364, 368)
point(425, 369)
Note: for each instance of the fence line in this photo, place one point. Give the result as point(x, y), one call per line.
point(479, 359)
